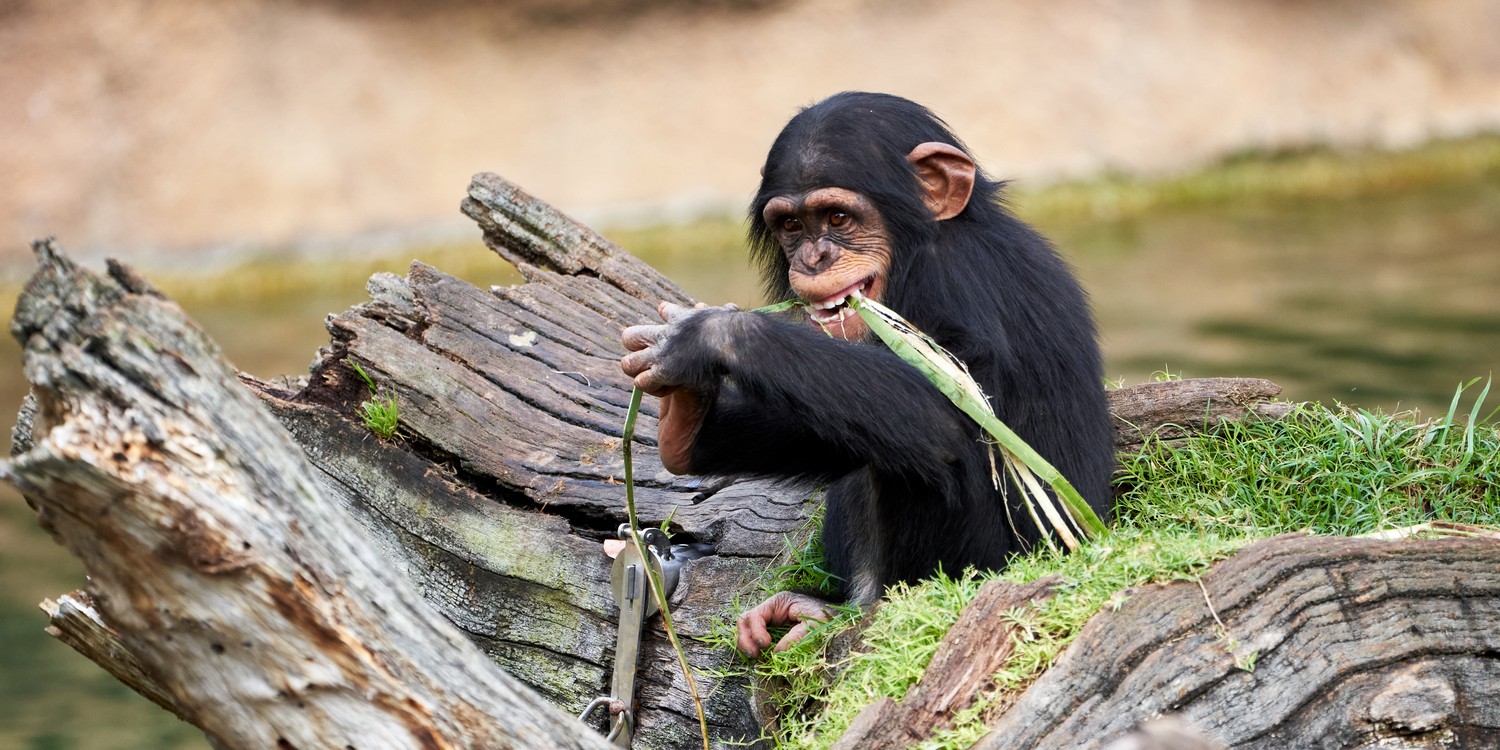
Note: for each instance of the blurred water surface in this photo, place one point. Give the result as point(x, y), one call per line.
point(1386, 301)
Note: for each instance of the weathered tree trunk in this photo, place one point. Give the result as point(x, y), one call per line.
point(493, 502)
point(237, 590)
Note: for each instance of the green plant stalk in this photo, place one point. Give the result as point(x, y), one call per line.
point(651, 577)
point(360, 371)
point(779, 306)
point(980, 413)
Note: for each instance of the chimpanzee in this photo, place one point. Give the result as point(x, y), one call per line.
point(871, 194)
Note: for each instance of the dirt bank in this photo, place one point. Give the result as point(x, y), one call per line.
point(140, 126)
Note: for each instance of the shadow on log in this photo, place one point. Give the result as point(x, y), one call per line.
point(493, 503)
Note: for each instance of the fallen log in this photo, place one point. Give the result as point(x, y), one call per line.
point(493, 502)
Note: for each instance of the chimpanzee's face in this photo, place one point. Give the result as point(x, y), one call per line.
point(836, 245)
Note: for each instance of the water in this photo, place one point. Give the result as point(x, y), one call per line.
point(1381, 302)
point(1385, 302)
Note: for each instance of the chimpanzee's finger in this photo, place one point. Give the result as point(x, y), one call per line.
point(652, 383)
point(671, 312)
point(636, 338)
point(635, 363)
point(751, 633)
point(796, 634)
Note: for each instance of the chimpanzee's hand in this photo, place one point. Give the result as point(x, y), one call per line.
point(784, 608)
point(653, 372)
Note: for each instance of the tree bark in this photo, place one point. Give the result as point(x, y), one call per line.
point(1175, 409)
point(493, 501)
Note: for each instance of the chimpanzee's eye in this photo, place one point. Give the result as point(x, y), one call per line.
point(838, 218)
point(791, 224)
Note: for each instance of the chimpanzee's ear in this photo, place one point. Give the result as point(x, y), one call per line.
point(947, 175)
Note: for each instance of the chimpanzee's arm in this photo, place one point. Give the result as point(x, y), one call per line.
point(779, 399)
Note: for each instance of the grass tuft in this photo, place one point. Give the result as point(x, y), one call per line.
point(1328, 471)
point(379, 412)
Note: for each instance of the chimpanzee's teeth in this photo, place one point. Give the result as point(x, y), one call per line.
point(830, 304)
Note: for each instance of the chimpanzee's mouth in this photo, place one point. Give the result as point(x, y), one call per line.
point(835, 308)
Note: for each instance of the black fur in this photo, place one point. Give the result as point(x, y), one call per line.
point(908, 473)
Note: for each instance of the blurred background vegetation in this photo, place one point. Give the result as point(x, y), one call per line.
point(1308, 192)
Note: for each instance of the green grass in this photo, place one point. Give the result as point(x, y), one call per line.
point(1333, 471)
point(379, 412)
point(803, 567)
point(1326, 471)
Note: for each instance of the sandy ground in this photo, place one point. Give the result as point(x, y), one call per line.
point(147, 126)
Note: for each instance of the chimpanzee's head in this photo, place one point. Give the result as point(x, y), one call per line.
point(852, 189)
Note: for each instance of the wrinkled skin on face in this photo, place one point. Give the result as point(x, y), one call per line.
point(836, 245)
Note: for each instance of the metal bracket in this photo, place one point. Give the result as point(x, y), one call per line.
point(633, 594)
